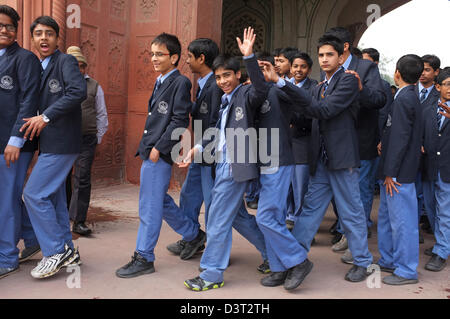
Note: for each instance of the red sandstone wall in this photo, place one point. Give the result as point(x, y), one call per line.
point(115, 36)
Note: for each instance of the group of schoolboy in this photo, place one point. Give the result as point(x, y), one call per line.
point(327, 141)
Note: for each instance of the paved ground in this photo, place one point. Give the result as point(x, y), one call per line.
point(114, 218)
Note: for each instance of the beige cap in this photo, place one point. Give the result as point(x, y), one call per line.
point(76, 52)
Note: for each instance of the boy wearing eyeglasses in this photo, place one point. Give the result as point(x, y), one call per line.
point(436, 185)
point(168, 110)
point(19, 93)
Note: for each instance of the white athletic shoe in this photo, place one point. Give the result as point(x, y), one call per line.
point(50, 266)
point(341, 246)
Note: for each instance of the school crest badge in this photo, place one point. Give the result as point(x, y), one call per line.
point(265, 108)
point(389, 121)
point(203, 108)
point(163, 108)
point(54, 86)
point(239, 114)
point(7, 83)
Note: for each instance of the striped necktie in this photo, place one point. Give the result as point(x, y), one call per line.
point(423, 95)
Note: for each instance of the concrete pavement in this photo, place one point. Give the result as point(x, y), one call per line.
point(114, 219)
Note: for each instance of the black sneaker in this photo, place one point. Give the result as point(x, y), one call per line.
point(395, 280)
point(4, 272)
point(275, 279)
point(264, 268)
point(357, 274)
point(198, 284)
point(192, 247)
point(28, 253)
point(138, 266)
point(177, 248)
point(297, 274)
point(436, 263)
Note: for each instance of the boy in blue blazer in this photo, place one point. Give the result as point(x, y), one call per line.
point(398, 232)
point(19, 94)
point(62, 91)
point(168, 110)
point(236, 162)
point(436, 185)
point(334, 161)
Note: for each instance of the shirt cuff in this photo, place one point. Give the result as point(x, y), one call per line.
point(249, 57)
point(281, 83)
point(199, 147)
point(17, 141)
point(45, 118)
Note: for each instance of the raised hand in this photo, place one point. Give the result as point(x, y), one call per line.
point(246, 46)
point(270, 71)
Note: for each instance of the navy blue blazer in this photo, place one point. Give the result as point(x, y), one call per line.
point(436, 142)
point(63, 89)
point(371, 99)
point(168, 109)
point(402, 138)
point(301, 130)
point(276, 113)
point(334, 119)
point(242, 111)
point(206, 109)
point(386, 110)
point(20, 79)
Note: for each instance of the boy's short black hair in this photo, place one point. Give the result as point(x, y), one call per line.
point(288, 52)
point(356, 52)
point(410, 67)
point(304, 56)
point(227, 62)
point(276, 52)
point(204, 46)
point(444, 75)
point(10, 12)
point(171, 42)
point(335, 42)
point(432, 60)
point(373, 53)
point(47, 21)
point(343, 34)
point(265, 56)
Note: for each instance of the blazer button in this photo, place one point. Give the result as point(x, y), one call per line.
point(439, 153)
point(150, 114)
point(440, 135)
point(145, 132)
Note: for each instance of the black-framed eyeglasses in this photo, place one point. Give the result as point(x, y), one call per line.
point(9, 27)
point(159, 54)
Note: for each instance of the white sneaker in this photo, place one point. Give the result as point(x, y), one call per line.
point(341, 246)
point(50, 266)
point(347, 258)
point(75, 261)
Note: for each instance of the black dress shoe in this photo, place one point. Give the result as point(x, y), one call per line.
point(194, 246)
point(357, 274)
point(177, 248)
point(138, 266)
point(28, 253)
point(275, 279)
point(81, 229)
point(436, 263)
point(297, 274)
